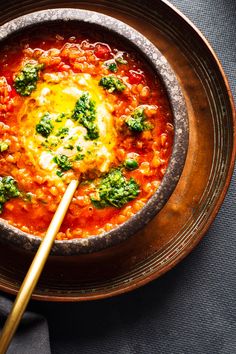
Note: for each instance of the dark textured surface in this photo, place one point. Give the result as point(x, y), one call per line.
point(32, 336)
point(192, 309)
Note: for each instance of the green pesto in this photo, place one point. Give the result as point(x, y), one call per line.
point(69, 147)
point(121, 60)
point(137, 121)
point(60, 118)
point(45, 126)
point(63, 162)
point(113, 67)
point(8, 190)
point(62, 132)
point(59, 173)
point(112, 84)
point(26, 80)
point(79, 157)
point(85, 114)
point(115, 190)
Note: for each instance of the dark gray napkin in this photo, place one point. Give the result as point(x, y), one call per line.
point(32, 335)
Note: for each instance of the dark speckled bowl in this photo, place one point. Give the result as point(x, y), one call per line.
point(177, 160)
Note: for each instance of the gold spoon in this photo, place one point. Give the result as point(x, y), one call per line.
point(35, 269)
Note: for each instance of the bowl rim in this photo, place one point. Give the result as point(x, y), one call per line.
point(176, 98)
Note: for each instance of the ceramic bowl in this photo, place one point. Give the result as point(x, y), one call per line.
point(159, 63)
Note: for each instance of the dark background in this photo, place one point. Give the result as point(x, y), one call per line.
point(190, 310)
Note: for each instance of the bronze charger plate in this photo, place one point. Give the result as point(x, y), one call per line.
point(181, 224)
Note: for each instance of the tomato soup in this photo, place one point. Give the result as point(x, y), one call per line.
point(79, 105)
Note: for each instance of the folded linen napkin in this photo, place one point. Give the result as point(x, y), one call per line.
point(32, 336)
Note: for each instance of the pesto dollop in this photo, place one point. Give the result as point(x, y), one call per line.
point(112, 84)
point(8, 190)
point(45, 126)
point(85, 114)
point(115, 190)
point(26, 80)
point(137, 121)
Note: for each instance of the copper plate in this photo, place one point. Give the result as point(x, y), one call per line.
point(186, 217)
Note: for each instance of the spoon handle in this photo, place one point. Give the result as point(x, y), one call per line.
point(35, 269)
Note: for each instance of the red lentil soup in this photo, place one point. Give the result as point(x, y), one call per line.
point(76, 104)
